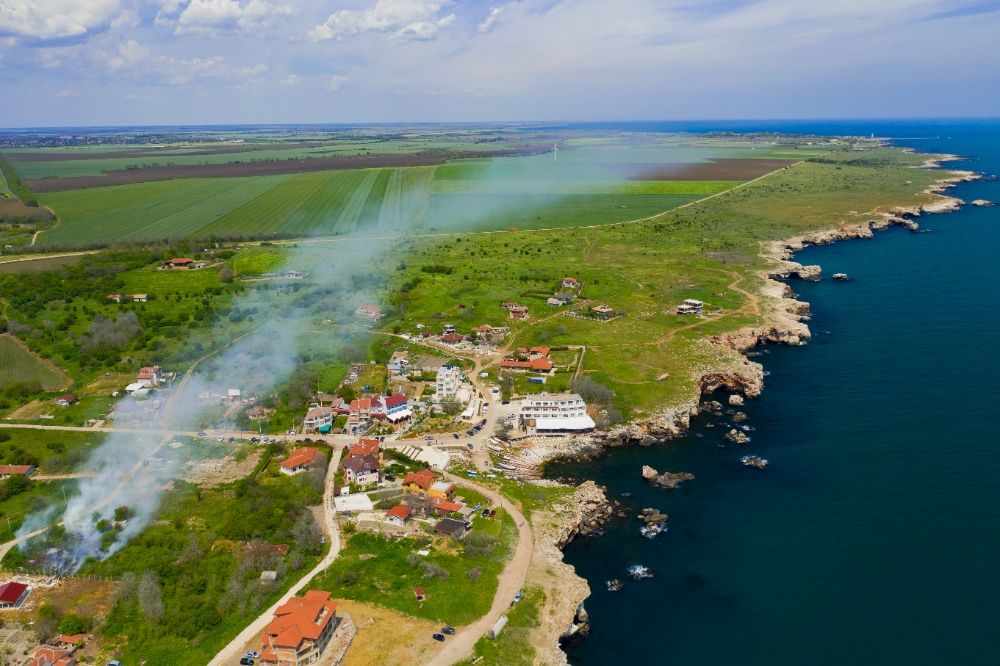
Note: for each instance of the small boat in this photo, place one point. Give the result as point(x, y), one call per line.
point(639, 571)
point(614, 585)
point(754, 461)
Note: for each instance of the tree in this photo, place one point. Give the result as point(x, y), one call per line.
point(47, 622)
point(306, 533)
point(592, 391)
point(225, 275)
point(150, 600)
point(451, 406)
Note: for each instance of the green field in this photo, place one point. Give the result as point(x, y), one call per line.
point(20, 366)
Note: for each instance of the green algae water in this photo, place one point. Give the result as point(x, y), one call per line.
point(874, 535)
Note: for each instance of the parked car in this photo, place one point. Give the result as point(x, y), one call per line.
point(389, 477)
point(456, 436)
point(469, 445)
point(517, 597)
point(203, 434)
point(438, 637)
point(246, 661)
point(486, 513)
point(448, 630)
point(428, 437)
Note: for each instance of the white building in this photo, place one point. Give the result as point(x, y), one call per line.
point(448, 380)
point(555, 412)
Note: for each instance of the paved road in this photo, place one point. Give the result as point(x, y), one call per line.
point(511, 582)
point(235, 649)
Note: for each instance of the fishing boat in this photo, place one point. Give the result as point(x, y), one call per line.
point(639, 571)
point(754, 461)
point(614, 585)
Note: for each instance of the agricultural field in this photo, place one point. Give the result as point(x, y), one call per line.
point(18, 365)
point(438, 189)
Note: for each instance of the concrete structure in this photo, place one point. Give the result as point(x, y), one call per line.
point(555, 412)
point(447, 382)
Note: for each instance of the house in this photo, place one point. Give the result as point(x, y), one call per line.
point(366, 447)
point(447, 382)
point(46, 655)
point(565, 298)
point(449, 328)
point(457, 529)
point(518, 312)
point(444, 507)
point(570, 283)
point(361, 470)
point(395, 407)
point(603, 311)
point(368, 311)
point(300, 631)
point(539, 365)
point(300, 459)
point(534, 352)
point(398, 364)
point(13, 594)
point(259, 413)
point(419, 593)
point(684, 309)
point(418, 482)
point(69, 640)
point(452, 338)
point(441, 490)
point(350, 504)
point(555, 412)
point(554, 302)
point(117, 298)
point(139, 298)
point(317, 417)
point(17, 470)
point(178, 262)
point(149, 376)
point(508, 305)
point(66, 400)
point(360, 410)
point(398, 515)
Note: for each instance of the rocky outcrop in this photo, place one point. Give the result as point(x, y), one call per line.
point(668, 480)
point(651, 516)
point(735, 400)
point(564, 614)
point(982, 202)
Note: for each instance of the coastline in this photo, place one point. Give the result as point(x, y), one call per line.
point(784, 321)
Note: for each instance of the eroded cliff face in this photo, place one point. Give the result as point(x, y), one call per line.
point(563, 613)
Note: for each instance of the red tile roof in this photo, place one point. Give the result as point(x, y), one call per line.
point(46, 654)
point(400, 511)
point(394, 400)
point(70, 639)
point(423, 479)
point(543, 364)
point(365, 447)
point(448, 507)
point(301, 457)
point(485, 328)
point(23, 470)
point(299, 619)
point(180, 261)
point(452, 338)
point(11, 591)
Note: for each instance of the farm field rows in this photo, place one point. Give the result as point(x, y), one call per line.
point(19, 366)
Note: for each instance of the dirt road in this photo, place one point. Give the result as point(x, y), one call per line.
point(511, 582)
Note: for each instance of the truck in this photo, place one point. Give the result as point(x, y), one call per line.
point(497, 627)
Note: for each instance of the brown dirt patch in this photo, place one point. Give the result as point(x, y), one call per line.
point(14, 208)
point(726, 168)
point(388, 638)
point(39, 265)
point(210, 473)
point(31, 411)
point(153, 152)
point(271, 168)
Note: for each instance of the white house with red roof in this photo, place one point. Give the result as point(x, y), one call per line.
point(368, 311)
point(396, 407)
point(13, 594)
point(300, 459)
point(398, 515)
point(149, 376)
point(300, 631)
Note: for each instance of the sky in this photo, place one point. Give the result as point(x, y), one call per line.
point(113, 62)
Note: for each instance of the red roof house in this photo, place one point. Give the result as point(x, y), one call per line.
point(12, 594)
point(46, 655)
point(366, 447)
point(300, 459)
point(398, 514)
point(16, 470)
point(178, 262)
point(418, 481)
point(300, 631)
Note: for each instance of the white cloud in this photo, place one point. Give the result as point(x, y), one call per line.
point(336, 82)
point(128, 54)
point(291, 80)
point(136, 61)
point(56, 19)
point(214, 16)
point(488, 23)
point(405, 19)
point(66, 92)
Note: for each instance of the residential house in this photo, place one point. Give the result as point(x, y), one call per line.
point(301, 459)
point(565, 298)
point(13, 594)
point(398, 515)
point(300, 631)
point(441, 490)
point(457, 529)
point(449, 328)
point(366, 447)
point(259, 413)
point(418, 593)
point(395, 407)
point(317, 417)
point(570, 283)
point(603, 311)
point(139, 298)
point(444, 507)
point(361, 470)
point(447, 382)
point(418, 482)
point(555, 412)
point(66, 400)
point(360, 411)
point(149, 376)
point(368, 311)
point(117, 298)
point(69, 640)
point(178, 262)
point(519, 312)
point(17, 470)
point(494, 334)
point(452, 338)
point(534, 352)
point(554, 302)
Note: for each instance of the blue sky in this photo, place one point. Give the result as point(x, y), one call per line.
point(80, 62)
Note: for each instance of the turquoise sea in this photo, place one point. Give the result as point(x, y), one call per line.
point(874, 535)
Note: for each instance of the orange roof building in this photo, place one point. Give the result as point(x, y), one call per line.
point(300, 631)
point(366, 447)
point(398, 514)
point(418, 482)
point(300, 459)
point(46, 655)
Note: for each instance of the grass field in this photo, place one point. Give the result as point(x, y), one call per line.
point(19, 366)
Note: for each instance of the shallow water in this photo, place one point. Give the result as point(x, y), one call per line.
point(874, 534)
